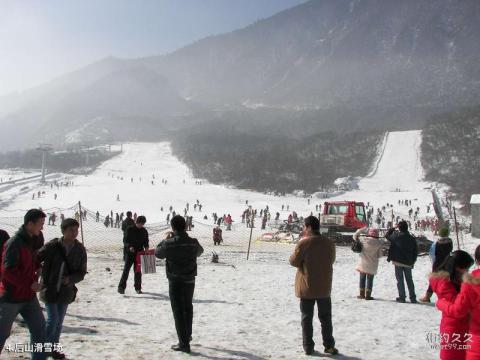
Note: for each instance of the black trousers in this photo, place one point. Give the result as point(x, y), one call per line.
point(181, 298)
point(130, 260)
point(324, 307)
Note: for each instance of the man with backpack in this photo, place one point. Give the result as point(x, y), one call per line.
point(403, 254)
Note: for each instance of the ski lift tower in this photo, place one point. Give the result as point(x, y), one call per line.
point(44, 148)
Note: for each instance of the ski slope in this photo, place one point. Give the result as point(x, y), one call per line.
point(243, 309)
point(399, 166)
point(397, 175)
point(130, 176)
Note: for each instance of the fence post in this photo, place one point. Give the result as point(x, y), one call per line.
point(456, 227)
point(81, 222)
point(250, 240)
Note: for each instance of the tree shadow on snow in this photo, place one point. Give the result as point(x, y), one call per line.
point(246, 355)
point(160, 296)
point(199, 301)
point(79, 330)
point(340, 356)
point(97, 318)
point(156, 296)
point(432, 304)
point(151, 296)
point(228, 354)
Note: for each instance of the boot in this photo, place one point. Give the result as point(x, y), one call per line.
point(57, 355)
point(362, 294)
point(331, 350)
point(368, 294)
point(309, 349)
point(182, 348)
point(426, 298)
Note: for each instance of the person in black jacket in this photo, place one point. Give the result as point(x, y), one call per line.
point(443, 247)
point(127, 223)
point(64, 265)
point(136, 239)
point(181, 252)
point(403, 254)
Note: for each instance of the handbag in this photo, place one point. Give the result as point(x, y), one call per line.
point(356, 246)
point(146, 262)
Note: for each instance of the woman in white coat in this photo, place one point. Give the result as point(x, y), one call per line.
point(368, 262)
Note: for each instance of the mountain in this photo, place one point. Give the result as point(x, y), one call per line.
point(60, 87)
point(328, 64)
point(128, 98)
point(330, 53)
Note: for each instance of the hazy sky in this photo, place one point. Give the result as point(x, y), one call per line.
point(41, 39)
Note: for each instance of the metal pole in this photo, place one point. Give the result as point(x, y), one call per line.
point(81, 222)
point(44, 148)
point(249, 241)
point(456, 227)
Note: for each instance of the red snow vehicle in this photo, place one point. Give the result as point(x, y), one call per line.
point(340, 219)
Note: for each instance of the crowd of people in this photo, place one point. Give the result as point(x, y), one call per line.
point(52, 269)
point(458, 292)
point(29, 266)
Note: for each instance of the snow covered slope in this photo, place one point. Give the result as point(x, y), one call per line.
point(243, 309)
point(399, 166)
point(130, 175)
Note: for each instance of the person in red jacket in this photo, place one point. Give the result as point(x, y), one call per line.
point(3, 240)
point(467, 303)
point(19, 282)
point(228, 221)
point(446, 283)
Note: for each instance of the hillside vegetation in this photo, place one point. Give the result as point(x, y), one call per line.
point(451, 151)
point(71, 161)
point(276, 163)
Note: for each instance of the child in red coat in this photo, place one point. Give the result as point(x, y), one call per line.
point(467, 303)
point(446, 284)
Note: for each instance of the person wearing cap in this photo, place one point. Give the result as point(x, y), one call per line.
point(313, 257)
point(403, 253)
point(368, 262)
point(440, 251)
point(136, 239)
point(19, 282)
point(64, 264)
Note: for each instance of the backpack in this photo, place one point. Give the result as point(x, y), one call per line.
point(357, 246)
